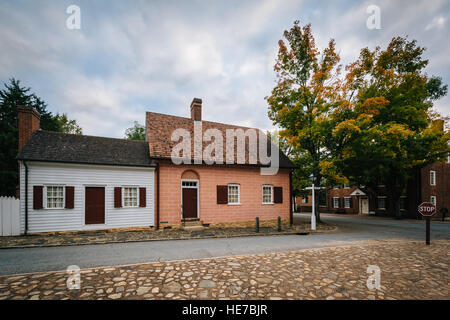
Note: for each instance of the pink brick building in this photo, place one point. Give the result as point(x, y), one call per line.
point(250, 203)
point(213, 193)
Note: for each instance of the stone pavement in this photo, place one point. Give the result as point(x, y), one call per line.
point(147, 234)
point(409, 270)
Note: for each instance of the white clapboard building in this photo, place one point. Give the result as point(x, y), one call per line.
point(78, 182)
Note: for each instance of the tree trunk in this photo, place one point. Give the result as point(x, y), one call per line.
point(317, 212)
point(394, 199)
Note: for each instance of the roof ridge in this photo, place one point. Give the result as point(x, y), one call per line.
point(90, 136)
point(225, 124)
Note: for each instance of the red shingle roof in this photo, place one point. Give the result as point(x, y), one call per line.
point(161, 126)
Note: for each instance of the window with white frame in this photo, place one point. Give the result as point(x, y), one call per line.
point(55, 197)
point(346, 185)
point(347, 202)
point(304, 199)
point(335, 202)
point(381, 203)
point(433, 178)
point(234, 194)
point(448, 157)
point(336, 187)
point(433, 200)
point(267, 194)
point(130, 197)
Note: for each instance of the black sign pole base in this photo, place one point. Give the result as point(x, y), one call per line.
point(428, 230)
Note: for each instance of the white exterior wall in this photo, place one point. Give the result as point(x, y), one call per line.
point(81, 176)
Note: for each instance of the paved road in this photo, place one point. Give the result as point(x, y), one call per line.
point(351, 229)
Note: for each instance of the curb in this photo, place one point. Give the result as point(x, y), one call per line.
point(282, 233)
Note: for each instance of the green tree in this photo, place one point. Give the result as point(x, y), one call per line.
point(11, 96)
point(389, 118)
point(137, 132)
point(66, 125)
point(305, 95)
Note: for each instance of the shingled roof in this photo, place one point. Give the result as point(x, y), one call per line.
point(71, 148)
point(160, 127)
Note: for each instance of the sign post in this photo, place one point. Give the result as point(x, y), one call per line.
point(427, 209)
point(313, 213)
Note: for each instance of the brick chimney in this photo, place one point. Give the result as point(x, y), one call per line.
point(196, 109)
point(28, 122)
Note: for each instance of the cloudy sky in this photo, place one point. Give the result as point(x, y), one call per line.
point(135, 56)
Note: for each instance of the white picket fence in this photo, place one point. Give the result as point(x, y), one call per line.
point(9, 216)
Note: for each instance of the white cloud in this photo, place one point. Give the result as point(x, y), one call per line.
point(437, 23)
point(157, 56)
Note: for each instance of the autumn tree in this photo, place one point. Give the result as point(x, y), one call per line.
point(301, 103)
point(372, 124)
point(389, 118)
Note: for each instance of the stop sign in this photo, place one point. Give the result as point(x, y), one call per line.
point(427, 209)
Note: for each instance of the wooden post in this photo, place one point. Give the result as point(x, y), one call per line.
point(257, 225)
point(279, 224)
point(428, 230)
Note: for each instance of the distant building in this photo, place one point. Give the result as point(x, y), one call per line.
point(431, 184)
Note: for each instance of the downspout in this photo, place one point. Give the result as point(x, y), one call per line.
point(291, 213)
point(157, 195)
point(26, 197)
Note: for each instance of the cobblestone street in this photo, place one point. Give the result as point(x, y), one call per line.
point(409, 270)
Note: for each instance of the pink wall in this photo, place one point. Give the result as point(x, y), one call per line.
point(250, 181)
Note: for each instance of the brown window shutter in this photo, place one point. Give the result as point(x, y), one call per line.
point(70, 197)
point(117, 197)
point(142, 197)
point(37, 197)
point(278, 194)
point(222, 194)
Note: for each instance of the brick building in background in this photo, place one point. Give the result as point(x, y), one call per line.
point(431, 184)
point(435, 186)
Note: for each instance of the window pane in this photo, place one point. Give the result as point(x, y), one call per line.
point(130, 197)
point(267, 194)
point(336, 202)
point(233, 194)
point(347, 202)
point(381, 203)
point(55, 197)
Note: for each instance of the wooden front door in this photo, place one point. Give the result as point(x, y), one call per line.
point(95, 205)
point(189, 203)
